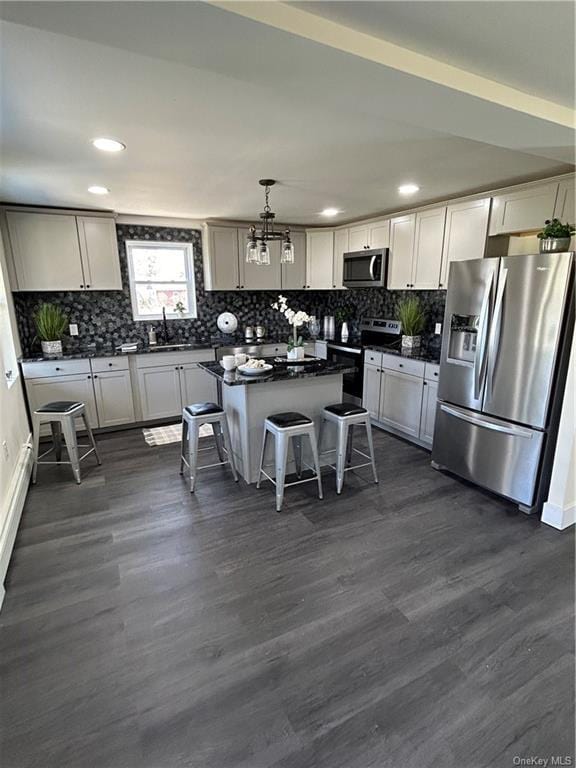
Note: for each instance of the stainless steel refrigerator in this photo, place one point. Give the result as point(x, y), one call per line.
point(508, 327)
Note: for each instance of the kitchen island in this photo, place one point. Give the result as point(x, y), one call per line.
point(248, 400)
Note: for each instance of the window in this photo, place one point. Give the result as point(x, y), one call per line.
point(161, 275)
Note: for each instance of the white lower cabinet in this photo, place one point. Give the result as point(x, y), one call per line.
point(197, 386)
point(371, 390)
point(401, 402)
point(428, 415)
point(113, 391)
point(159, 388)
point(400, 395)
point(63, 387)
point(165, 389)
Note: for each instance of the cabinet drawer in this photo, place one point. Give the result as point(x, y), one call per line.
point(180, 357)
point(269, 350)
point(103, 364)
point(403, 365)
point(431, 371)
point(47, 368)
point(372, 358)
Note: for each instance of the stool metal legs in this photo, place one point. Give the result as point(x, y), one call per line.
point(190, 445)
point(63, 426)
point(282, 441)
point(345, 444)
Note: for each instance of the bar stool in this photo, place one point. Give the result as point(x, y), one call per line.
point(193, 416)
point(284, 427)
point(346, 416)
point(61, 416)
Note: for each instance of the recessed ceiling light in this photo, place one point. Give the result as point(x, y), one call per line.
point(108, 145)
point(96, 190)
point(408, 189)
point(330, 212)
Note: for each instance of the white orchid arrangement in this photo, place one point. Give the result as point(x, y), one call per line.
point(296, 318)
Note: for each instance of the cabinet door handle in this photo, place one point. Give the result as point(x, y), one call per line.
point(87, 286)
point(110, 365)
point(57, 368)
point(95, 375)
point(439, 285)
point(425, 384)
point(81, 286)
point(89, 377)
point(400, 365)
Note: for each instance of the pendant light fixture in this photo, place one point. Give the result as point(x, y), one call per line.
point(257, 248)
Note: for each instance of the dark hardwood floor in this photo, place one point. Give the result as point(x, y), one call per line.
point(419, 623)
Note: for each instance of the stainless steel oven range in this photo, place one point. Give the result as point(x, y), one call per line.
point(374, 331)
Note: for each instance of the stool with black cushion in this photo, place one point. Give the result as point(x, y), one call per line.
point(346, 416)
point(61, 416)
point(193, 416)
point(286, 427)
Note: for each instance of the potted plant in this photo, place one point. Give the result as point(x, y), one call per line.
point(296, 320)
point(555, 237)
point(411, 317)
point(50, 323)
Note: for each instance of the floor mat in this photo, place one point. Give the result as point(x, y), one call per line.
point(171, 433)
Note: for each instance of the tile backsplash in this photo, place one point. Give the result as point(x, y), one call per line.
point(105, 317)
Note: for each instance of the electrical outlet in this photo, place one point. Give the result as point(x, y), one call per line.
point(5, 450)
point(438, 328)
point(73, 327)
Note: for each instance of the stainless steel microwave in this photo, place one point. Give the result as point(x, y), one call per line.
point(366, 269)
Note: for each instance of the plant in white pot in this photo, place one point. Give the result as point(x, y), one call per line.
point(555, 237)
point(296, 318)
point(411, 317)
point(50, 323)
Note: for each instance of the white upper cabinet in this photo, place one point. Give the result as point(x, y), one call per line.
point(256, 277)
point(341, 246)
point(523, 210)
point(319, 259)
point(99, 251)
point(294, 275)
point(45, 251)
point(402, 230)
point(63, 252)
point(221, 271)
point(565, 206)
point(465, 233)
point(358, 237)
point(428, 242)
point(373, 235)
point(226, 268)
point(379, 234)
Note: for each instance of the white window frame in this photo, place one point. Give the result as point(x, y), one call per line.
point(190, 280)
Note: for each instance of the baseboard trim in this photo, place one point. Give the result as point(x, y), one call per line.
point(558, 517)
point(17, 495)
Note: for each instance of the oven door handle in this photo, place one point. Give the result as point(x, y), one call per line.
point(345, 349)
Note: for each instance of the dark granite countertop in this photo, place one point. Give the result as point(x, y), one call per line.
point(425, 354)
point(104, 350)
point(281, 372)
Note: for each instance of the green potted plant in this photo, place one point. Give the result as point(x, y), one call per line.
point(555, 237)
point(411, 318)
point(50, 323)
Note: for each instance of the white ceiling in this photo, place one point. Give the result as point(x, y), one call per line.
point(528, 45)
point(208, 102)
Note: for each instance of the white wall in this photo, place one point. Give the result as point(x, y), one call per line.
point(560, 508)
point(15, 457)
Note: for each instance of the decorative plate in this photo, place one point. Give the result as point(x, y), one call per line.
point(227, 322)
point(255, 371)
